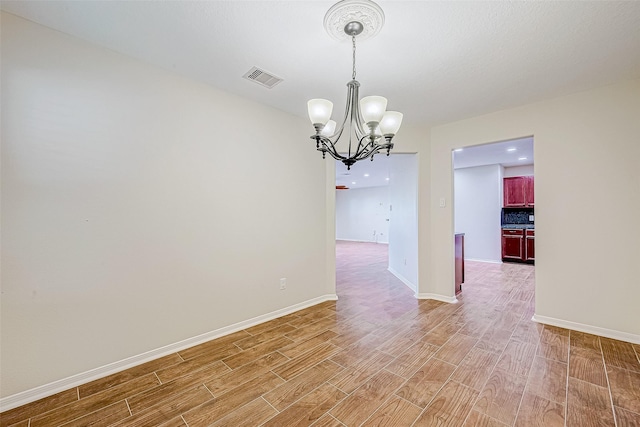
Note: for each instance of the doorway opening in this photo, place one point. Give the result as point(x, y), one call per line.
point(486, 210)
point(376, 203)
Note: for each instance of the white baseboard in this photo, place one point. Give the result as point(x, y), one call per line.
point(437, 297)
point(595, 330)
point(362, 241)
point(46, 390)
point(402, 279)
point(489, 261)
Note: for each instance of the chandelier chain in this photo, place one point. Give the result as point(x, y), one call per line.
point(353, 41)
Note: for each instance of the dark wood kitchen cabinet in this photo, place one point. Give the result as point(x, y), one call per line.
point(530, 245)
point(518, 191)
point(518, 245)
point(512, 244)
point(528, 191)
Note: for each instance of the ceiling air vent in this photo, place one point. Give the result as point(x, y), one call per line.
point(262, 77)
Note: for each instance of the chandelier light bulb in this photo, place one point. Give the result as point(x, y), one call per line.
point(372, 108)
point(319, 111)
point(390, 122)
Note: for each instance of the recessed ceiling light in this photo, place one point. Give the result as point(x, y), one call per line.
point(511, 150)
point(366, 174)
point(387, 179)
point(522, 158)
point(353, 182)
point(457, 150)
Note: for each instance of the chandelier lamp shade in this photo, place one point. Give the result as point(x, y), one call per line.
point(367, 124)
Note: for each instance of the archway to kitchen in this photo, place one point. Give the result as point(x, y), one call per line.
point(376, 204)
point(493, 206)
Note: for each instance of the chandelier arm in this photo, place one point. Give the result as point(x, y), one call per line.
point(329, 147)
point(339, 130)
point(355, 112)
point(362, 148)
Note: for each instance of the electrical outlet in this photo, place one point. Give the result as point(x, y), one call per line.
point(283, 284)
point(443, 202)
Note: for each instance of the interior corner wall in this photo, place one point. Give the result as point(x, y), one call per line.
point(140, 208)
point(586, 275)
point(478, 205)
point(362, 214)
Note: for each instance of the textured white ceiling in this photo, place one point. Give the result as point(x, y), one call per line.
point(435, 61)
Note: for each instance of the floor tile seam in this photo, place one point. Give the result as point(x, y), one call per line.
point(217, 396)
point(181, 377)
point(633, 371)
point(606, 375)
point(268, 403)
point(32, 415)
point(308, 369)
point(636, 351)
point(346, 395)
point(184, 421)
point(127, 396)
point(172, 396)
point(158, 378)
point(191, 370)
point(388, 398)
point(436, 393)
point(206, 402)
point(331, 354)
point(364, 381)
point(235, 409)
point(266, 330)
point(554, 360)
point(408, 401)
point(92, 412)
point(116, 385)
point(128, 407)
point(628, 410)
point(271, 370)
point(566, 391)
point(526, 384)
point(250, 361)
point(608, 388)
point(495, 367)
point(329, 415)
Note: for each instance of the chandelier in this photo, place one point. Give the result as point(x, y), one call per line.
point(370, 127)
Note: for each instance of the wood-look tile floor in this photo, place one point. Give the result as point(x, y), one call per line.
point(375, 357)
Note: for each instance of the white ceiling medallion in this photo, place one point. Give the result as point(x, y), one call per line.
point(366, 12)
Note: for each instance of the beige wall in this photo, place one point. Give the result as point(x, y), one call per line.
point(587, 169)
point(140, 209)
